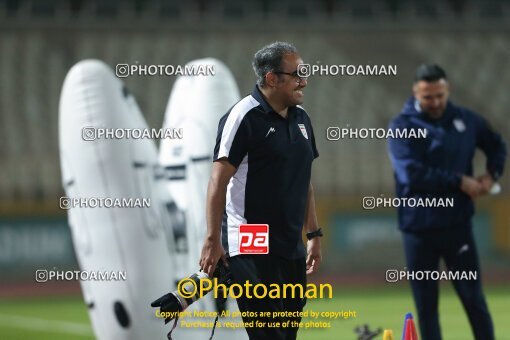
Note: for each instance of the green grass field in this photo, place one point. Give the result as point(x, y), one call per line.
point(66, 318)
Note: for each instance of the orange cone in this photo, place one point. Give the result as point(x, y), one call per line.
point(408, 315)
point(410, 330)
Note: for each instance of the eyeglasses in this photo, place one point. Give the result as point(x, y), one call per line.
point(293, 74)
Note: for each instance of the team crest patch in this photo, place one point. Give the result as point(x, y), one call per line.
point(459, 125)
point(303, 130)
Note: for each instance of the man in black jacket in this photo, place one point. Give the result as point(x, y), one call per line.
point(440, 166)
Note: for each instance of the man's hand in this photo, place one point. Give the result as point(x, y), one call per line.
point(314, 257)
point(471, 187)
point(212, 251)
point(486, 181)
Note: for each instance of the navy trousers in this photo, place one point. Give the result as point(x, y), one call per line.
point(456, 246)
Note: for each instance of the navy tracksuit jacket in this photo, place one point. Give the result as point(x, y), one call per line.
point(432, 166)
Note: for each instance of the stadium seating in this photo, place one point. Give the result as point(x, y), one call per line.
point(35, 60)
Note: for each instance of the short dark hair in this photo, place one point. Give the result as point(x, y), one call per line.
point(269, 59)
point(429, 73)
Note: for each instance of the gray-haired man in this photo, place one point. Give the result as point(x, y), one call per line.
point(261, 175)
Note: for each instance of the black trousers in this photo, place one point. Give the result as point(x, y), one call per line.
point(269, 269)
point(457, 247)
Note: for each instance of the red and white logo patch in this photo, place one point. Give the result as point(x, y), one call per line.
point(254, 239)
point(303, 130)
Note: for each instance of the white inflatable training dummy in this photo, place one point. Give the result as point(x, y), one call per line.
point(196, 105)
point(131, 239)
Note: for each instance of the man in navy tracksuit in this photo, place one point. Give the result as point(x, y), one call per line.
point(440, 166)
